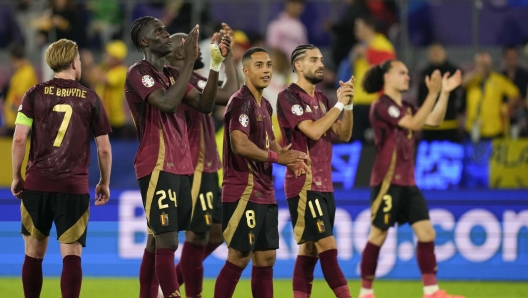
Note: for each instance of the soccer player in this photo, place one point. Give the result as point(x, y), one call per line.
point(205, 233)
point(62, 115)
point(163, 161)
point(394, 195)
point(308, 121)
point(250, 212)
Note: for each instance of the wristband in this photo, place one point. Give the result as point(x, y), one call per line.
point(349, 107)
point(273, 156)
point(339, 105)
point(216, 57)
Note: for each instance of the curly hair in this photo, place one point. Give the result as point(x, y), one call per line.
point(373, 81)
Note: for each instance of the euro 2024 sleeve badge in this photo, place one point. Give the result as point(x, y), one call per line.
point(147, 81)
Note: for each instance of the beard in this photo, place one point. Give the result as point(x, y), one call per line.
point(198, 64)
point(312, 78)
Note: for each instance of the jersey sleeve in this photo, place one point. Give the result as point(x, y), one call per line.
point(100, 123)
point(240, 115)
point(143, 82)
point(292, 107)
point(26, 105)
point(390, 113)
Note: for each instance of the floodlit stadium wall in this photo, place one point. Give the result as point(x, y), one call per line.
point(481, 235)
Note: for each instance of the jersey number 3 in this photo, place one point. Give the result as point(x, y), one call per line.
point(67, 110)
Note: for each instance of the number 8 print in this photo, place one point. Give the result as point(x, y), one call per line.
point(250, 217)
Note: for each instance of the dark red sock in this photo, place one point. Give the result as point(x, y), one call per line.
point(148, 281)
point(303, 276)
point(369, 263)
point(227, 280)
point(209, 248)
point(71, 277)
point(179, 274)
point(427, 262)
point(262, 282)
point(333, 274)
point(32, 277)
point(192, 268)
point(166, 273)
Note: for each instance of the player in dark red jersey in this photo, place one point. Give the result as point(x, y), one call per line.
point(205, 233)
point(250, 212)
point(308, 121)
point(163, 162)
point(394, 196)
point(62, 115)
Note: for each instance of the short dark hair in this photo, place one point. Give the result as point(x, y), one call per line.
point(299, 52)
point(373, 80)
point(16, 50)
point(509, 48)
point(135, 29)
point(251, 51)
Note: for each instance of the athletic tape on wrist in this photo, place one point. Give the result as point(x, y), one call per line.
point(339, 105)
point(216, 57)
point(349, 107)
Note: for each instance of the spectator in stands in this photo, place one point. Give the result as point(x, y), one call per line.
point(385, 13)
point(373, 49)
point(519, 76)
point(487, 114)
point(287, 31)
point(448, 130)
point(9, 30)
point(24, 77)
point(106, 20)
point(343, 30)
point(109, 81)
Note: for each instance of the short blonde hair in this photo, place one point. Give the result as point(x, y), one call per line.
point(61, 54)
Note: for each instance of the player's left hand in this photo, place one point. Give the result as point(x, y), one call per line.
point(230, 33)
point(102, 194)
point(17, 187)
point(449, 83)
point(350, 84)
point(299, 168)
point(225, 42)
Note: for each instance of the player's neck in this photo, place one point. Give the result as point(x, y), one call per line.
point(308, 87)
point(157, 62)
point(394, 94)
point(257, 93)
point(66, 75)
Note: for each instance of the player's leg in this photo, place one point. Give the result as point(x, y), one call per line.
point(37, 218)
point(418, 214)
point(303, 272)
point(71, 213)
point(216, 237)
point(148, 281)
point(385, 205)
point(229, 276)
point(267, 242)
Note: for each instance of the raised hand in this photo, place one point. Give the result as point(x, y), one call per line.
point(345, 93)
point(434, 83)
point(229, 32)
point(190, 44)
point(349, 83)
point(287, 156)
point(225, 43)
point(450, 83)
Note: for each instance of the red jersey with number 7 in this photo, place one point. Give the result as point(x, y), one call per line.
point(65, 115)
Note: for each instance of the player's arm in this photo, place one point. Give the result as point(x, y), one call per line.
point(343, 128)
point(104, 154)
point(232, 83)
point(436, 116)
point(205, 101)
point(315, 129)
point(169, 100)
point(242, 146)
point(18, 151)
point(417, 121)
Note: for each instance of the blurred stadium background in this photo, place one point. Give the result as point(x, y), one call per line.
point(477, 191)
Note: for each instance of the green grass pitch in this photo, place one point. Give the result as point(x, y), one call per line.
point(129, 287)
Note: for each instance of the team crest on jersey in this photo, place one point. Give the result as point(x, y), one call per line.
point(308, 110)
point(259, 117)
point(201, 84)
point(244, 120)
point(321, 226)
point(297, 110)
point(323, 107)
point(251, 238)
point(394, 112)
point(147, 81)
point(171, 79)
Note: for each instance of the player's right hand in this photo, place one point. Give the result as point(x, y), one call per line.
point(434, 83)
point(17, 187)
point(299, 168)
point(190, 44)
point(102, 194)
point(344, 93)
point(287, 156)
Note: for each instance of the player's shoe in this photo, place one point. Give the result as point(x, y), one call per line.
point(441, 294)
point(367, 296)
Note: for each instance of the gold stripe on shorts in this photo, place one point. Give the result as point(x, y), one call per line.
point(27, 222)
point(150, 191)
point(385, 184)
point(232, 225)
point(300, 224)
point(75, 232)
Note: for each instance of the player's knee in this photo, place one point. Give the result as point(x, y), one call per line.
point(151, 243)
point(197, 237)
point(427, 235)
point(308, 249)
point(167, 240)
point(377, 236)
